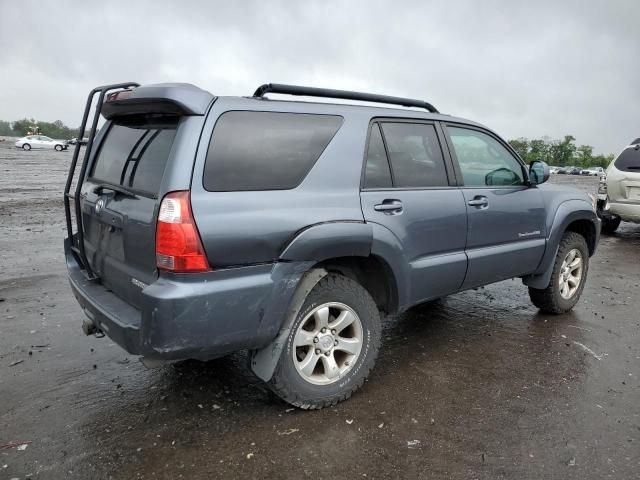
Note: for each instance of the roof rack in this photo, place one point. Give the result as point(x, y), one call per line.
point(344, 94)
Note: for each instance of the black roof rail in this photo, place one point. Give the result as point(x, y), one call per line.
point(343, 94)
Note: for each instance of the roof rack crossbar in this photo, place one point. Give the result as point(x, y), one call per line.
point(77, 240)
point(343, 94)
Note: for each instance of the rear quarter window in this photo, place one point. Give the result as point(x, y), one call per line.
point(134, 153)
point(629, 160)
point(265, 150)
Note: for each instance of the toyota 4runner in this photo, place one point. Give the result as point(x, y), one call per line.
point(203, 225)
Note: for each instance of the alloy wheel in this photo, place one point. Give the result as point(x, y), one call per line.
point(570, 274)
point(327, 343)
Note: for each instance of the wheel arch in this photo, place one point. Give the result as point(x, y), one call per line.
point(587, 229)
point(373, 273)
point(571, 216)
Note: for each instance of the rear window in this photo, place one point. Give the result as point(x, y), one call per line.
point(265, 150)
point(629, 160)
point(134, 153)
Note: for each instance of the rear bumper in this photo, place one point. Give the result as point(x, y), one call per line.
point(629, 212)
point(201, 316)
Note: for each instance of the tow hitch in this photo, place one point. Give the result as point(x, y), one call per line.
point(90, 328)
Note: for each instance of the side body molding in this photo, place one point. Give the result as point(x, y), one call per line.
point(557, 222)
point(330, 240)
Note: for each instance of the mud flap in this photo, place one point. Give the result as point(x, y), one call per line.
point(264, 361)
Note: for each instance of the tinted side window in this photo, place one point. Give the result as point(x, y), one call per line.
point(629, 160)
point(483, 160)
point(265, 150)
point(134, 153)
point(377, 173)
point(415, 154)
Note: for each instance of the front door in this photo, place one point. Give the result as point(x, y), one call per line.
point(407, 190)
point(506, 217)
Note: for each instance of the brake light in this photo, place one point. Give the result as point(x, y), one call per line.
point(119, 95)
point(178, 244)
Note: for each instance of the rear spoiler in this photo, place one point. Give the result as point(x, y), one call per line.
point(167, 98)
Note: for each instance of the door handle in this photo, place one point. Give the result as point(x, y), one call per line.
point(479, 201)
point(389, 207)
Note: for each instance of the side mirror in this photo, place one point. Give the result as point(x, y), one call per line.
point(538, 172)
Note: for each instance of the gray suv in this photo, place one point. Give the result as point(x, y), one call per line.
point(203, 225)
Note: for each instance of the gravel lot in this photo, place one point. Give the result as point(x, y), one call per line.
point(478, 386)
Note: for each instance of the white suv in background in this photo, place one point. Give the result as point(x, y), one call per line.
point(619, 189)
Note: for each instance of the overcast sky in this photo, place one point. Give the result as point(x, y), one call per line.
point(523, 68)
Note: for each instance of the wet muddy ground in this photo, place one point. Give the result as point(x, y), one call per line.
point(477, 386)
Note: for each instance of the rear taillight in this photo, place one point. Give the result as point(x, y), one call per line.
point(178, 244)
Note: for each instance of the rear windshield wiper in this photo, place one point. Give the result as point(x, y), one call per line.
point(113, 188)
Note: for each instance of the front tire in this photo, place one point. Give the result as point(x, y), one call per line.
point(332, 346)
point(568, 277)
point(58, 148)
point(26, 147)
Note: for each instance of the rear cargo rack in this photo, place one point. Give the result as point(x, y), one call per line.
point(343, 94)
point(76, 240)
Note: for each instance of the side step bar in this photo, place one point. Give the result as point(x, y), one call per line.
point(77, 239)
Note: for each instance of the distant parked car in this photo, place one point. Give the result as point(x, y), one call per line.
point(83, 141)
point(41, 142)
point(554, 170)
point(593, 171)
point(573, 171)
point(562, 170)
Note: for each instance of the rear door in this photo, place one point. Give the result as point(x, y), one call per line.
point(120, 198)
point(506, 217)
point(409, 189)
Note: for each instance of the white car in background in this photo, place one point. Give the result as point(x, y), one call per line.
point(41, 142)
point(593, 171)
point(619, 189)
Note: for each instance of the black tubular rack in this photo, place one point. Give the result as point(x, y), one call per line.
point(343, 94)
point(76, 240)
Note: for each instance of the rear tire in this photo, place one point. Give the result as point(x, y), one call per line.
point(26, 146)
point(568, 278)
point(610, 223)
point(313, 372)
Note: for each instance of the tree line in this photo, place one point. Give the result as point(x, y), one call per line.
point(29, 126)
point(559, 153)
